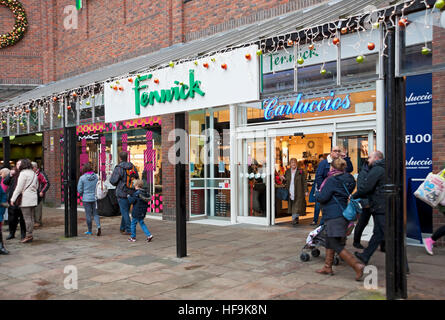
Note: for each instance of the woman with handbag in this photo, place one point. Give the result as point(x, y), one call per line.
point(25, 196)
point(333, 197)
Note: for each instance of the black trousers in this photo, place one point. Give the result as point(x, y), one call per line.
point(438, 233)
point(14, 217)
point(377, 237)
point(361, 224)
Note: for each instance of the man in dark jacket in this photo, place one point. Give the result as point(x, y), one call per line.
point(122, 177)
point(370, 186)
point(15, 214)
point(322, 173)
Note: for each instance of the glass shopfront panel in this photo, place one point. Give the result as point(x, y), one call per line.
point(209, 141)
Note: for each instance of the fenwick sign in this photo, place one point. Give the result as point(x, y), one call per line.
point(272, 107)
point(178, 92)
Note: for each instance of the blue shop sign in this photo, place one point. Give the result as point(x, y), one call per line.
point(273, 108)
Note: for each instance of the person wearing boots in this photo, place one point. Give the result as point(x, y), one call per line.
point(2, 212)
point(333, 199)
point(15, 214)
point(372, 188)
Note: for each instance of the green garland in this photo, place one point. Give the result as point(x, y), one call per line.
point(20, 26)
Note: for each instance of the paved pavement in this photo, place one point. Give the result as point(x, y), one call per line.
point(223, 262)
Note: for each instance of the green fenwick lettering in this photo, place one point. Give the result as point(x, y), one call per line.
point(165, 95)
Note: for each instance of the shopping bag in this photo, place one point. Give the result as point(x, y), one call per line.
point(432, 190)
point(282, 194)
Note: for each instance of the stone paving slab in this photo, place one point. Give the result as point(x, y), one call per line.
point(223, 262)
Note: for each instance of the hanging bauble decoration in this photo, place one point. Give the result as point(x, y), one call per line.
point(344, 30)
point(290, 43)
point(300, 60)
point(360, 59)
point(156, 81)
point(224, 66)
point(439, 4)
point(312, 47)
point(171, 64)
point(213, 59)
point(259, 52)
point(115, 88)
point(403, 22)
point(68, 107)
point(130, 80)
point(336, 41)
point(248, 56)
point(196, 63)
point(121, 88)
point(20, 26)
point(323, 71)
point(74, 94)
point(375, 25)
point(59, 116)
point(27, 110)
point(93, 96)
point(34, 109)
point(426, 51)
point(371, 46)
point(117, 82)
point(54, 99)
point(87, 103)
point(4, 121)
point(206, 65)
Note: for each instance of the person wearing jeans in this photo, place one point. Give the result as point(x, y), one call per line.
point(87, 189)
point(140, 200)
point(123, 177)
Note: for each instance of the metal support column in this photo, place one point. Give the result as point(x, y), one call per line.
point(395, 233)
point(69, 180)
point(6, 152)
point(181, 210)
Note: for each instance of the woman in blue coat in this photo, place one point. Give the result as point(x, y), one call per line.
point(87, 189)
point(333, 197)
point(3, 205)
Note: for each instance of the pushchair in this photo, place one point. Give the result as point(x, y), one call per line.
point(315, 239)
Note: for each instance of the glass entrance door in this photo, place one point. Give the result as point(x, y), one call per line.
point(254, 181)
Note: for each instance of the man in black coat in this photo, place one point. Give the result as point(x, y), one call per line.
point(370, 185)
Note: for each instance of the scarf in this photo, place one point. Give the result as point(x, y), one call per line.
point(330, 174)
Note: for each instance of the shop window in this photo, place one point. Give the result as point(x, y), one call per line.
point(71, 113)
point(353, 72)
point(418, 52)
point(209, 143)
point(99, 108)
point(278, 81)
point(57, 114)
point(311, 76)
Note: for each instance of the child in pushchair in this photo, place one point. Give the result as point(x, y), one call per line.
point(315, 239)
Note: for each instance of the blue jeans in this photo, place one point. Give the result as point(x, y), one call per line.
point(317, 213)
point(124, 206)
point(90, 210)
point(144, 228)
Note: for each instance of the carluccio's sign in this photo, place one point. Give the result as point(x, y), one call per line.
point(220, 80)
point(179, 91)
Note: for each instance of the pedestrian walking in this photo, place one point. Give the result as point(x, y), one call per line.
point(15, 215)
point(3, 205)
point(429, 242)
point(139, 200)
point(25, 194)
point(123, 177)
point(43, 188)
point(86, 187)
point(333, 197)
point(296, 184)
point(371, 186)
point(322, 173)
point(4, 172)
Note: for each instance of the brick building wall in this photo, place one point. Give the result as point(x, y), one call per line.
point(109, 31)
point(23, 62)
point(52, 165)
